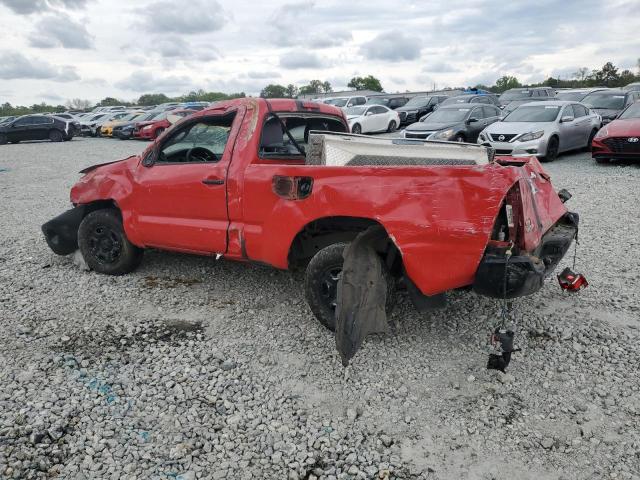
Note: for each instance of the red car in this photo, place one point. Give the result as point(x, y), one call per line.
point(151, 129)
point(246, 179)
point(619, 139)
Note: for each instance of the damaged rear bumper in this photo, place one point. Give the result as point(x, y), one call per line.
point(61, 232)
point(525, 274)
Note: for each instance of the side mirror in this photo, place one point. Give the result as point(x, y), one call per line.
point(472, 120)
point(567, 119)
point(149, 159)
point(368, 114)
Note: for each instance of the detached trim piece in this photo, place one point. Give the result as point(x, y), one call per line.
point(61, 233)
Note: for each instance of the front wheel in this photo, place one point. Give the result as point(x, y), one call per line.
point(105, 246)
point(459, 138)
point(321, 284)
point(392, 126)
point(357, 129)
point(553, 147)
point(591, 137)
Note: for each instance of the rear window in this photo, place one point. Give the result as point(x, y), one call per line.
point(542, 113)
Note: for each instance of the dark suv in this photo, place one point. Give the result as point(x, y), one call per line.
point(418, 107)
point(389, 102)
point(528, 94)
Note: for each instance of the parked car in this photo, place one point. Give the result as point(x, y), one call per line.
point(471, 98)
point(576, 94)
point(37, 127)
point(418, 107)
point(389, 102)
point(346, 102)
point(231, 181)
point(531, 94)
point(106, 129)
point(372, 118)
point(89, 125)
point(609, 103)
point(543, 129)
point(125, 131)
point(152, 129)
point(7, 119)
point(456, 123)
point(620, 139)
point(635, 86)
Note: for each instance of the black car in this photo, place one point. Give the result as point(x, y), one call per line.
point(417, 107)
point(471, 98)
point(457, 123)
point(609, 103)
point(529, 94)
point(389, 102)
point(37, 127)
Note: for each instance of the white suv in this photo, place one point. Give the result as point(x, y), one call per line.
point(346, 102)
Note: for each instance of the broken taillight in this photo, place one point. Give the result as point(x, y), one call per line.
point(572, 282)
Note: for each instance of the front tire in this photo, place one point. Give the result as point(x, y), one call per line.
point(321, 284)
point(392, 126)
point(357, 129)
point(56, 136)
point(104, 244)
point(553, 147)
point(591, 137)
point(459, 138)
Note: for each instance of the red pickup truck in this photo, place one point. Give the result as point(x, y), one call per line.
point(282, 182)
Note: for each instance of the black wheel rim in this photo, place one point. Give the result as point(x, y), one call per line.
point(329, 286)
point(105, 244)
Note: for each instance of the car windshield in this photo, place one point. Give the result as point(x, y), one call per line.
point(454, 100)
point(633, 111)
point(418, 102)
point(533, 113)
point(603, 100)
point(571, 96)
point(338, 102)
point(356, 110)
point(378, 101)
point(446, 115)
point(160, 116)
point(514, 94)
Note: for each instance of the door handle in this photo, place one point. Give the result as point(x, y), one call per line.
point(213, 181)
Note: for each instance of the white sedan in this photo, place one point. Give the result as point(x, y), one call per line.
point(372, 118)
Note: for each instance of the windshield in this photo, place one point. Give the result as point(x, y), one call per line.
point(338, 102)
point(447, 115)
point(160, 116)
point(602, 100)
point(356, 110)
point(418, 102)
point(378, 101)
point(571, 96)
point(533, 113)
point(454, 100)
point(633, 111)
point(513, 94)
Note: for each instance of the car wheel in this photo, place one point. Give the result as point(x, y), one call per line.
point(3, 139)
point(56, 136)
point(392, 126)
point(158, 132)
point(105, 246)
point(553, 147)
point(593, 133)
point(459, 138)
point(357, 129)
point(321, 284)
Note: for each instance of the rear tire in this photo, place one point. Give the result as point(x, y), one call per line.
point(321, 284)
point(459, 138)
point(356, 129)
point(56, 136)
point(104, 244)
point(553, 147)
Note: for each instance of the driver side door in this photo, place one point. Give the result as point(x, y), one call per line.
point(180, 200)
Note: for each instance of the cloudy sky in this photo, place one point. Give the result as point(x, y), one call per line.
point(54, 50)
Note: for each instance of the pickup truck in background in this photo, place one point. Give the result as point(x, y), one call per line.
point(283, 183)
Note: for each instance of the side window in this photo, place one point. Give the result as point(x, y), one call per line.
point(579, 111)
point(377, 110)
point(203, 141)
point(361, 101)
point(489, 112)
point(476, 113)
point(21, 122)
point(568, 112)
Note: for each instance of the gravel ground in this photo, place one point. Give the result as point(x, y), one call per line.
point(196, 368)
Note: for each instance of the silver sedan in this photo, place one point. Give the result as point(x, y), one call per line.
point(543, 129)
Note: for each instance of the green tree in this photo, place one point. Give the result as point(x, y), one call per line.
point(326, 87)
point(78, 104)
point(626, 77)
point(292, 91)
point(581, 74)
point(506, 82)
point(273, 90)
point(110, 102)
point(316, 86)
point(365, 83)
point(153, 99)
